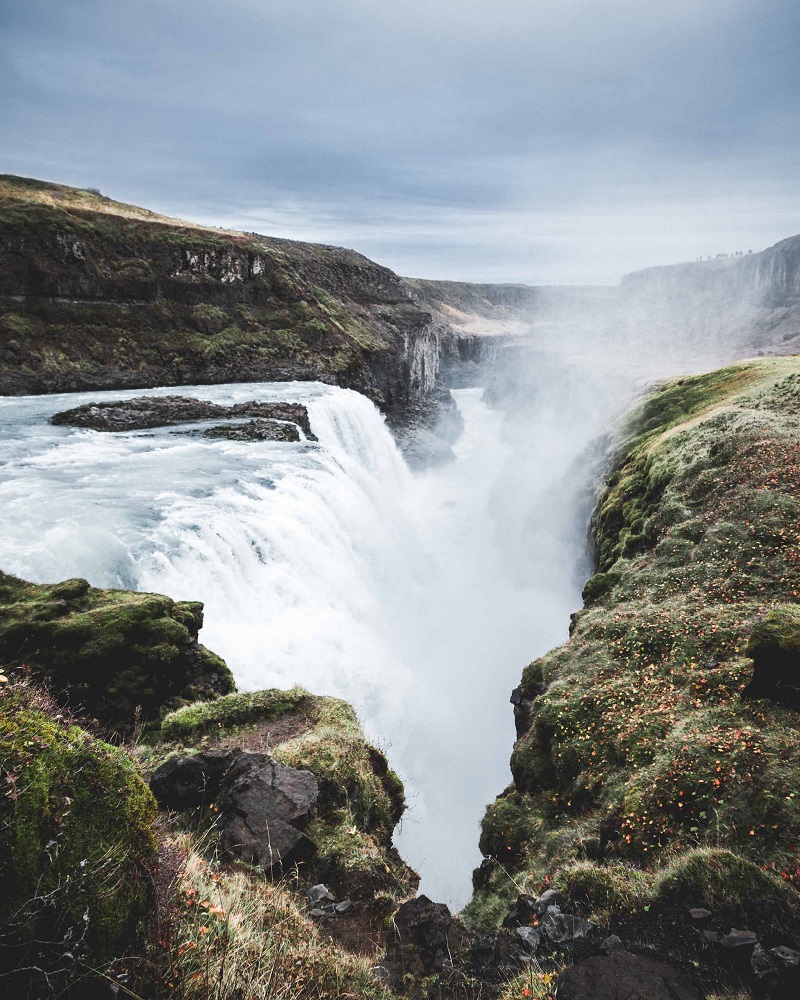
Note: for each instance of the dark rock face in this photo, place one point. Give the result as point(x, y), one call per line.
point(254, 430)
point(112, 653)
point(264, 807)
point(425, 937)
point(774, 646)
point(182, 783)
point(147, 412)
point(121, 298)
point(622, 976)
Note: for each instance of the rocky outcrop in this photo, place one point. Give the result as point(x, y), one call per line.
point(97, 294)
point(120, 656)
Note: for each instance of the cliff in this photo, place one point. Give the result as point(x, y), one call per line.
point(656, 764)
point(270, 870)
point(98, 294)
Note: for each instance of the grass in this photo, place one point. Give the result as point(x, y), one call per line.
point(640, 746)
point(228, 933)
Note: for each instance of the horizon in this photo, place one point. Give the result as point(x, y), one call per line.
point(545, 144)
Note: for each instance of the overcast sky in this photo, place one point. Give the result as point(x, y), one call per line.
point(543, 141)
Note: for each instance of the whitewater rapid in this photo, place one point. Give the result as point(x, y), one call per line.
point(418, 598)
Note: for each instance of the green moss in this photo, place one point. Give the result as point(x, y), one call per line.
point(230, 713)
point(76, 835)
point(639, 746)
point(718, 878)
point(603, 890)
point(112, 652)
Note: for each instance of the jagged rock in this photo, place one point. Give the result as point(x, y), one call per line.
point(560, 927)
point(522, 711)
point(345, 906)
point(550, 898)
point(761, 963)
point(612, 943)
point(319, 894)
point(264, 807)
point(424, 937)
point(522, 912)
point(529, 936)
point(622, 976)
point(738, 939)
point(147, 412)
point(182, 783)
point(788, 957)
point(254, 430)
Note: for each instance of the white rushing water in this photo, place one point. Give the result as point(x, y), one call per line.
point(418, 598)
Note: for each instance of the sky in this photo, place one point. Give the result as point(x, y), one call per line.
point(543, 141)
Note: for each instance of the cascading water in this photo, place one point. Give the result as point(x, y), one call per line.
point(418, 598)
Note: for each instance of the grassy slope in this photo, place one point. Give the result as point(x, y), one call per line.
point(640, 749)
point(94, 292)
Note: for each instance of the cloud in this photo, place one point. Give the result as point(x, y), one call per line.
point(462, 138)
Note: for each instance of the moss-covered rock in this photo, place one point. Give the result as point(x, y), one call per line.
point(637, 745)
point(76, 841)
point(116, 654)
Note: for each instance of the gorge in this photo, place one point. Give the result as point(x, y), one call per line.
point(417, 596)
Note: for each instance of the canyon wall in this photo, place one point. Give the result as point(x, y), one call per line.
point(97, 294)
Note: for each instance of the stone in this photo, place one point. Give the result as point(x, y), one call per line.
point(148, 412)
point(345, 906)
point(622, 976)
point(698, 913)
point(424, 937)
point(529, 936)
point(612, 943)
point(319, 894)
point(788, 957)
point(254, 430)
point(762, 964)
point(738, 939)
point(521, 913)
point(550, 898)
point(190, 782)
point(264, 807)
point(560, 927)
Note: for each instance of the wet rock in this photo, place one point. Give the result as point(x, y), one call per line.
point(182, 783)
point(622, 976)
point(254, 430)
point(560, 927)
point(550, 898)
point(424, 937)
point(147, 412)
point(264, 807)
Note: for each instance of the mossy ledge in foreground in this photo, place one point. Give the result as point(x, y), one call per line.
point(120, 656)
point(644, 743)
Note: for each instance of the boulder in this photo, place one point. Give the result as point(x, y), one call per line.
point(182, 783)
point(622, 976)
point(147, 412)
point(425, 937)
point(263, 809)
point(254, 430)
point(560, 927)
